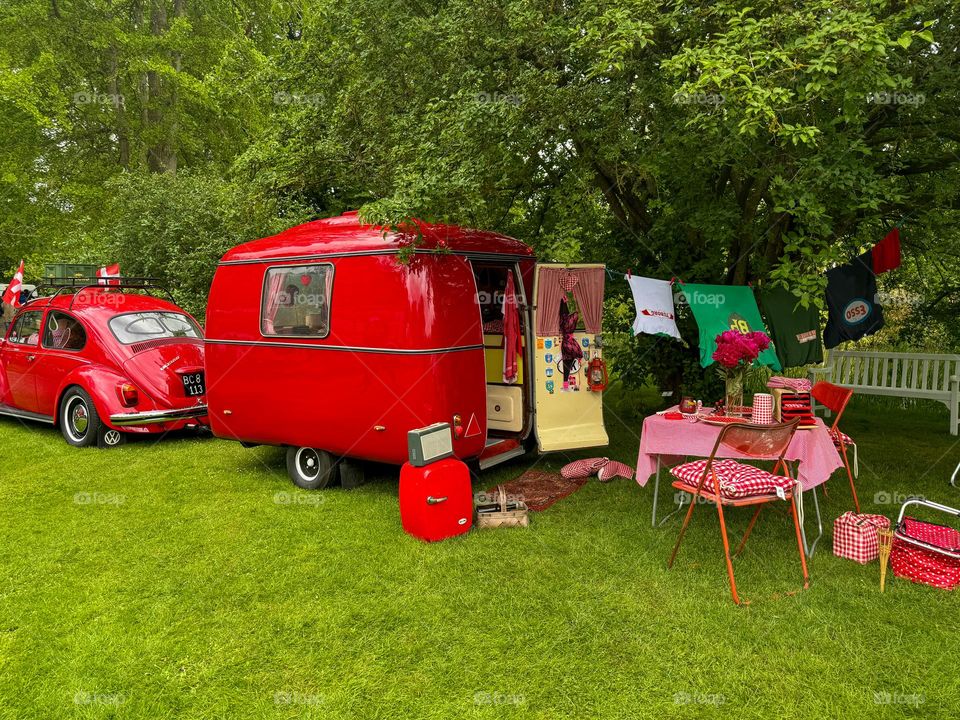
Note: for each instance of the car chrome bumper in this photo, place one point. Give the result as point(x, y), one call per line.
point(152, 417)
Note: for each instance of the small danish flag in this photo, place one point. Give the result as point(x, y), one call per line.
point(109, 271)
point(11, 295)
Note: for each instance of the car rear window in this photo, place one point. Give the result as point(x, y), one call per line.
point(138, 327)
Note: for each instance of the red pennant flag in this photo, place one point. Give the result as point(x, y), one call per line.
point(109, 271)
point(11, 295)
point(886, 253)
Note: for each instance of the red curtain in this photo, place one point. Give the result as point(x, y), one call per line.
point(512, 346)
point(272, 301)
point(549, 294)
point(588, 292)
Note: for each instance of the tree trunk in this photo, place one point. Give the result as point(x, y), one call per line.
point(177, 62)
point(157, 152)
point(122, 131)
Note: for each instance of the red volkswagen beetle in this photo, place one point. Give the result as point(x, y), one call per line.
point(99, 362)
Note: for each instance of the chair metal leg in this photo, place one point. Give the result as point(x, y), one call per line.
point(856, 461)
point(796, 525)
point(656, 492)
point(853, 488)
point(726, 553)
point(753, 522)
point(683, 530)
point(956, 473)
point(809, 548)
point(656, 495)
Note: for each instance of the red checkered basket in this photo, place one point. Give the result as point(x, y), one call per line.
point(925, 552)
point(855, 536)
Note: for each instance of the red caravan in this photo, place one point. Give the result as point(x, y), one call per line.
point(320, 340)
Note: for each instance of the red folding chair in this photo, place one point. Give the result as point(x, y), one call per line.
point(727, 483)
point(835, 399)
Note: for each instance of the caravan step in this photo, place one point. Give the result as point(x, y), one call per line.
point(500, 450)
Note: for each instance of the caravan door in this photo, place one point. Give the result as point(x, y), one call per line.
point(568, 414)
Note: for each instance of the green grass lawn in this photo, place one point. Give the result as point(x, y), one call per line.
point(188, 578)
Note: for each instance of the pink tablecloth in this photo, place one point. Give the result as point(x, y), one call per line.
point(673, 440)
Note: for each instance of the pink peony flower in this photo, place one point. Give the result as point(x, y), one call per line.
point(734, 347)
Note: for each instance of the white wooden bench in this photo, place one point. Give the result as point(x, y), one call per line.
point(905, 375)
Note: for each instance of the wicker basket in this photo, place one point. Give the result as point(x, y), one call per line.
point(504, 517)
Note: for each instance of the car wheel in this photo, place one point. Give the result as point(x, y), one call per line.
point(309, 468)
point(111, 438)
point(352, 474)
point(79, 421)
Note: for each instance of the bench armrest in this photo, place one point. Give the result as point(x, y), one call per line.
point(819, 373)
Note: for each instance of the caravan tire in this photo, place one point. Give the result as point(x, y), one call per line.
point(309, 468)
point(352, 474)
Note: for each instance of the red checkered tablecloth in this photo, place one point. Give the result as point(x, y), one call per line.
point(673, 440)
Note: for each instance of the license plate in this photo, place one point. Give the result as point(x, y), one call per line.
point(193, 384)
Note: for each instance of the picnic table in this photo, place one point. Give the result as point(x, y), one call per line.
point(668, 442)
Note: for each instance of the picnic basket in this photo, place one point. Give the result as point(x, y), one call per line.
point(503, 517)
point(925, 552)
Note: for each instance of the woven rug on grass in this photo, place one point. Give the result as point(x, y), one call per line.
point(539, 489)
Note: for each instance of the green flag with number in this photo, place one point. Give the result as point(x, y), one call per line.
point(718, 308)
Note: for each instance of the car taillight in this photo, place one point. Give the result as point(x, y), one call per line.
point(128, 394)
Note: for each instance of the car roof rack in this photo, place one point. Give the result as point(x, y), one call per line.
point(77, 285)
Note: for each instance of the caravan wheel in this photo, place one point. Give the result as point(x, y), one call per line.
point(309, 468)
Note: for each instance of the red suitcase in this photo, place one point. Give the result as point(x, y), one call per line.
point(436, 500)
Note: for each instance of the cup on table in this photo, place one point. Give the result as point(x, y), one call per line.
point(762, 409)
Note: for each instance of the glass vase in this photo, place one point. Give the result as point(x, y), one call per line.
point(733, 398)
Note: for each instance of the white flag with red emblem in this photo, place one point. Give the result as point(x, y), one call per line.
point(109, 271)
point(11, 295)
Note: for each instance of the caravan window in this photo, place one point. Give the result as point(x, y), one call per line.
point(296, 301)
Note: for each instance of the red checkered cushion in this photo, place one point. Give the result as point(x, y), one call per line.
point(736, 479)
point(841, 437)
point(568, 281)
point(615, 469)
point(582, 468)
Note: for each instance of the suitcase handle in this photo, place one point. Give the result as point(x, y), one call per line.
point(926, 503)
point(431, 500)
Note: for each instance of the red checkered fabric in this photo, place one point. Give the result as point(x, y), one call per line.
point(926, 566)
point(736, 479)
point(615, 469)
point(582, 468)
point(568, 281)
point(855, 536)
point(841, 437)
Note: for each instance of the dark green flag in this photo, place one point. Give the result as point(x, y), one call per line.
point(794, 329)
